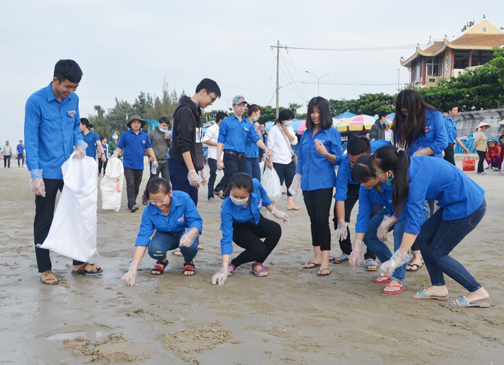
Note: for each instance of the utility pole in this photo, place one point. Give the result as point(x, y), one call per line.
point(398, 80)
point(278, 81)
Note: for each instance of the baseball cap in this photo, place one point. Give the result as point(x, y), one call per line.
point(238, 99)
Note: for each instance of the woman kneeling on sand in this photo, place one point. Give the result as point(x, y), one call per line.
point(243, 223)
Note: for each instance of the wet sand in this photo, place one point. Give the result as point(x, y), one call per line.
point(290, 317)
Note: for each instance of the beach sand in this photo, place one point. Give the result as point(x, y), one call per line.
point(290, 317)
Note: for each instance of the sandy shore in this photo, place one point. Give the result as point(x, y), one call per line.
point(290, 317)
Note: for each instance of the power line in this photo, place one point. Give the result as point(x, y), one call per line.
point(292, 78)
point(295, 69)
point(367, 49)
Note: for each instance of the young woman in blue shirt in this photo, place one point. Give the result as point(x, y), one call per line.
point(320, 147)
point(243, 224)
point(461, 205)
point(175, 222)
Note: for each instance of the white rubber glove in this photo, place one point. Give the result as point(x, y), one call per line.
point(80, 152)
point(115, 155)
point(279, 215)
point(204, 178)
point(357, 253)
point(189, 236)
point(37, 182)
point(220, 276)
point(341, 233)
point(398, 259)
point(295, 188)
point(193, 178)
point(130, 276)
point(387, 222)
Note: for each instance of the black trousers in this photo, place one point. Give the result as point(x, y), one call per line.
point(133, 180)
point(248, 236)
point(352, 198)
point(482, 157)
point(102, 164)
point(318, 205)
point(6, 161)
point(449, 153)
point(212, 164)
point(285, 172)
point(44, 213)
point(20, 158)
point(232, 165)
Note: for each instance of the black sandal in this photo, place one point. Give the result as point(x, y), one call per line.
point(83, 271)
point(159, 267)
point(189, 268)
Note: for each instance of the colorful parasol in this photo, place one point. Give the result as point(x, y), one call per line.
point(359, 123)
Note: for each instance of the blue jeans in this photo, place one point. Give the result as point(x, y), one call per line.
point(252, 169)
point(165, 241)
point(380, 249)
point(438, 238)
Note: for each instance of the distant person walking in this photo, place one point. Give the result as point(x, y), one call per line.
point(378, 129)
point(102, 164)
point(20, 154)
point(451, 130)
point(480, 145)
point(112, 145)
point(7, 154)
point(210, 139)
point(92, 140)
point(251, 150)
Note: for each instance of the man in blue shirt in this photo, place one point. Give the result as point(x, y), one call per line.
point(92, 139)
point(234, 133)
point(52, 129)
point(451, 129)
point(20, 153)
point(134, 142)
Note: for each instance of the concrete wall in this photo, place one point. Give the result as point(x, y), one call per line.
point(468, 121)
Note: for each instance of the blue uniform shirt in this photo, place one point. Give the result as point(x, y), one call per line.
point(435, 135)
point(134, 146)
point(230, 213)
point(316, 170)
point(451, 129)
point(344, 178)
point(235, 134)
point(20, 149)
point(437, 179)
point(366, 199)
point(90, 139)
point(251, 149)
point(51, 129)
point(183, 214)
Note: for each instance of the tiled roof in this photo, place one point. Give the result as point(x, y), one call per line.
point(435, 47)
point(482, 40)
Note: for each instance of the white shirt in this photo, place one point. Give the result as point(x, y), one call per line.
point(212, 134)
point(281, 150)
point(389, 135)
point(7, 150)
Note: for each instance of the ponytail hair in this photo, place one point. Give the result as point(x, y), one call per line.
point(363, 169)
point(390, 158)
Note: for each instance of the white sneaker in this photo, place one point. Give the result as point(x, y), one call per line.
point(482, 173)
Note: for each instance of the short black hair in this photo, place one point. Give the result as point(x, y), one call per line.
point(157, 185)
point(325, 114)
point(357, 145)
point(67, 70)
point(164, 120)
point(210, 86)
point(240, 180)
point(285, 114)
point(451, 106)
point(219, 116)
point(382, 114)
point(102, 138)
point(362, 170)
point(20, 140)
point(252, 108)
point(91, 126)
point(85, 122)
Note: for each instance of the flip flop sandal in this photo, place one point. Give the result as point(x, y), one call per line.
point(134, 209)
point(159, 267)
point(463, 303)
point(177, 253)
point(394, 292)
point(321, 272)
point(257, 272)
point(307, 265)
point(211, 200)
point(43, 278)
point(342, 258)
point(82, 271)
point(422, 295)
point(370, 263)
point(383, 281)
point(189, 268)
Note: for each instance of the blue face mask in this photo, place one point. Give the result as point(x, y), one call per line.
point(115, 137)
point(255, 119)
point(163, 130)
point(390, 181)
point(288, 123)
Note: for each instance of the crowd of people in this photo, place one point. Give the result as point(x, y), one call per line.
point(398, 176)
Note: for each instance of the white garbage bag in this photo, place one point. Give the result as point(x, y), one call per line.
point(111, 185)
point(73, 230)
point(271, 183)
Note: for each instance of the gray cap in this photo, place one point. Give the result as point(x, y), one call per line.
point(136, 117)
point(238, 99)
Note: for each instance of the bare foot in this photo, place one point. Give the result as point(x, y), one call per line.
point(476, 296)
point(437, 291)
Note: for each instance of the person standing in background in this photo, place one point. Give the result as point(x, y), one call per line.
point(112, 145)
point(20, 153)
point(480, 145)
point(264, 138)
point(378, 129)
point(251, 150)
point(92, 140)
point(7, 154)
point(389, 135)
point(210, 139)
point(451, 129)
point(105, 153)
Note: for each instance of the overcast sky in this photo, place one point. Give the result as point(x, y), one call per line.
point(125, 47)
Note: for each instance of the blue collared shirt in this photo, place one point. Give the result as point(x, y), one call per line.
point(134, 146)
point(366, 199)
point(51, 129)
point(20, 149)
point(231, 213)
point(437, 179)
point(90, 139)
point(435, 135)
point(251, 149)
point(183, 214)
point(316, 170)
point(451, 129)
point(235, 134)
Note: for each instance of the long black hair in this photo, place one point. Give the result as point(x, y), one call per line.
point(285, 114)
point(240, 180)
point(157, 185)
point(325, 114)
point(363, 170)
point(407, 129)
point(390, 158)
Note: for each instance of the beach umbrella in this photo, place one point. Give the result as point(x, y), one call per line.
point(344, 115)
point(269, 125)
point(301, 128)
point(295, 124)
point(358, 123)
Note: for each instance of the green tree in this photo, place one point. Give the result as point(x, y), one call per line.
point(102, 127)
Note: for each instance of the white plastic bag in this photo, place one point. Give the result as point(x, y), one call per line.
point(73, 230)
point(261, 168)
point(111, 185)
point(271, 183)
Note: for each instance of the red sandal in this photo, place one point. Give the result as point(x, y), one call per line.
point(159, 267)
point(189, 268)
point(383, 281)
point(394, 292)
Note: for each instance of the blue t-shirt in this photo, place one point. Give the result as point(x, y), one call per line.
point(235, 134)
point(90, 139)
point(451, 129)
point(251, 149)
point(20, 149)
point(134, 146)
point(435, 137)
